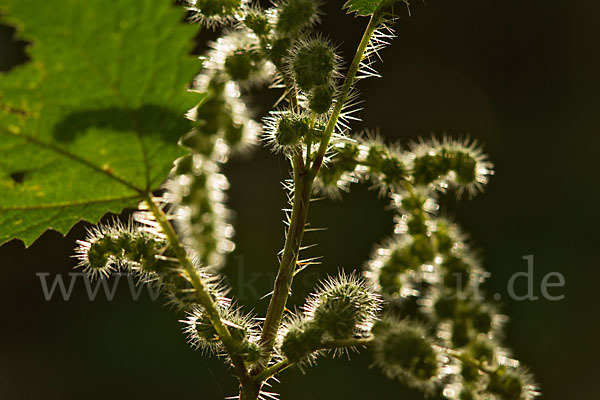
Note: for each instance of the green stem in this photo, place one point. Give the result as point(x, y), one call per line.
point(303, 183)
point(345, 91)
point(467, 359)
point(303, 188)
point(203, 295)
point(335, 344)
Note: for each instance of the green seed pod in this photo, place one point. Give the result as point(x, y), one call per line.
point(250, 351)
point(234, 134)
point(445, 241)
point(457, 272)
point(422, 248)
point(257, 22)
point(428, 168)
point(507, 384)
point(376, 155)
point(215, 12)
point(343, 307)
point(285, 130)
point(330, 174)
point(482, 350)
point(416, 224)
point(301, 339)
point(402, 350)
point(320, 99)
point(295, 15)
point(313, 63)
point(242, 63)
point(389, 281)
point(393, 170)
point(98, 253)
point(203, 336)
point(465, 167)
point(278, 51)
point(110, 247)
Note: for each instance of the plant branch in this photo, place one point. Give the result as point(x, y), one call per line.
point(345, 91)
point(203, 295)
point(467, 359)
point(303, 182)
point(302, 190)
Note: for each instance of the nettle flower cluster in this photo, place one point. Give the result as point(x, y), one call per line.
point(417, 306)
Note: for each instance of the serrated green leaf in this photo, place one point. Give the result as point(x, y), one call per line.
point(92, 122)
point(368, 7)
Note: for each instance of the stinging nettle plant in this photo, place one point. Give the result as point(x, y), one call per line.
point(416, 307)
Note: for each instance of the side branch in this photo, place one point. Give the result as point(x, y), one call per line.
point(303, 188)
point(345, 91)
point(204, 297)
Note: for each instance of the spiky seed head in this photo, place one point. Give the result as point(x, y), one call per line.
point(423, 248)
point(456, 272)
point(116, 245)
point(457, 163)
point(278, 50)
point(285, 129)
point(257, 22)
point(296, 15)
point(393, 170)
point(313, 63)
point(291, 129)
point(202, 335)
point(448, 236)
point(465, 167)
point(250, 351)
point(376, 153)
point(301, 339)
point(212, 13)
point(391, 265)
point(511, 384)
point(402, 350)
point(343, 307)
point(320, 99)
point(482, 349)
point(242, 63)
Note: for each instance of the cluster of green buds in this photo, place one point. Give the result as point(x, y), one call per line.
point(429, 274)
point(403, 350)
point(437, 332)
point(141, 249)
point(243, 328)
point(343, 307)
point(433, 166)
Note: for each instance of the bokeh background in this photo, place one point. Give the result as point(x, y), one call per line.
point(521, 77)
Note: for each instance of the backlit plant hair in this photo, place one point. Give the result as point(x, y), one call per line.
point(417, 306)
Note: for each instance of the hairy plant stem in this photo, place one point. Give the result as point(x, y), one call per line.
point(204, 298)
point(345, 91)
point(303, 182)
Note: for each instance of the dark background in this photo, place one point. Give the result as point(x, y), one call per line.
point(521, 77)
